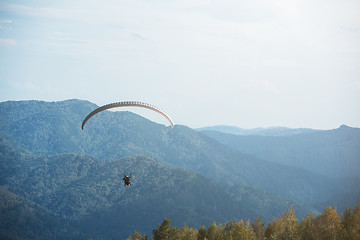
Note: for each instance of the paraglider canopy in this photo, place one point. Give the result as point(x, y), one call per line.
point(127, 104)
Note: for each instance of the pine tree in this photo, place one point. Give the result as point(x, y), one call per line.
point(163, 232)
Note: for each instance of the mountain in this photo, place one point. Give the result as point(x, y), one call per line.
point(84, 196)
point(332, 153)
point(270, 131)
point(23, 219)
point(50, 128)
point(181, 174)
point(349, 200)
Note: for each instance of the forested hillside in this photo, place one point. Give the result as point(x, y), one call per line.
point(23, 219)
point(90, 193)
point(44, 128)
point(75, 176)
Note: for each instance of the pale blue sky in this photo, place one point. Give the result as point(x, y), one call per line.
point(253, 63)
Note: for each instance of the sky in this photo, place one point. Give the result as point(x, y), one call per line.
point(249, 63)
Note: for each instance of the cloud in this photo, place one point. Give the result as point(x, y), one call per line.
point(138, 36)
point(6, 21)
point(5, 24)
point(39, 12)
point(7, 42)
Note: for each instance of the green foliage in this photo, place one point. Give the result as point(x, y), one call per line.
point(237, 230)
point(350, 223)
point(187, 233)
point(233, 230)
point(201, 233)
point(137, 236)
point(308, 228)
point(283, 228)
point(214, 232)
point(327, 225)
point(258, 227)
point(166, 232)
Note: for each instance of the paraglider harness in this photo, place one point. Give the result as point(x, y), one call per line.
point(127, 180)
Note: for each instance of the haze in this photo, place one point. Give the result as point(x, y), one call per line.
point(242, 63)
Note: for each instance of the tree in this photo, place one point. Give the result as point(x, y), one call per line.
point(248, 233)
point(164, 230)
point(350, 223)
point(309, 230)
point(284, 228)
point(236, 230)
point(186, 233)
point(201, 233)
point(137, 236)
point(329, 224)
point(233, 229)
point(258, 228)
point(214, 232)
point(326, 226)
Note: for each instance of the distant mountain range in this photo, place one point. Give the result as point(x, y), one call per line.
point(332, 153)
point(270, 131)
point(188, 176)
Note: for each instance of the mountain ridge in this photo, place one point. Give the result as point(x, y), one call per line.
point(268, 131)
point(184, 174)
point(332, 153)
point(55, 128)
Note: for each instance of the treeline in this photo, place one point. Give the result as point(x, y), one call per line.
point(328, 226)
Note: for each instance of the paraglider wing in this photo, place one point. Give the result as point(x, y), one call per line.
point(126, 104)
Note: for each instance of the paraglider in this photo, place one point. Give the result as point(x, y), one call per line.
point(126, 104)
point(127, 180)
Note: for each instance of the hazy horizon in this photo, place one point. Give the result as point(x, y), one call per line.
point(247, 64)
